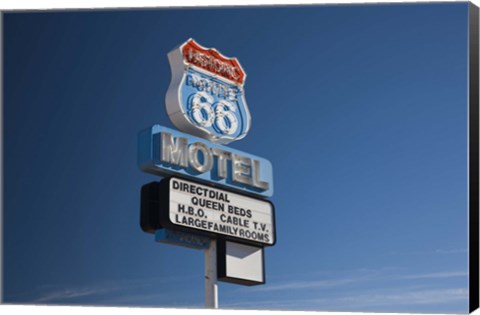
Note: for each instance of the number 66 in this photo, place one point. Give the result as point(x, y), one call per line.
point(221, 114)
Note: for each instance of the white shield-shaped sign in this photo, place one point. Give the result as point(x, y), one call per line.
point(206, 97)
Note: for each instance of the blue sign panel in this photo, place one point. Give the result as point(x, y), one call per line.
point(189, 240)
point(214, 105)
point(164, 151)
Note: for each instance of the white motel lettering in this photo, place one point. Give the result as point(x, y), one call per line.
point(178, 152)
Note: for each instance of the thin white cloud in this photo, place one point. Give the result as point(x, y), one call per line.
point(435, 275)
point(67, 294)
point(440, 251)
point(369, 276)
point(451, 251)
point(102, 290)
point(371, 299)
point(52, 293)
point(418, 297)
point(307, 284)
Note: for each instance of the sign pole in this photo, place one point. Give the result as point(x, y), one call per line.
point(211, 288)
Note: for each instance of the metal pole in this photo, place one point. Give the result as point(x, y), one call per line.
point(1, 153)
point(211, 289)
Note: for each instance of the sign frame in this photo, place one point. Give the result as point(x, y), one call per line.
point(165, 222)
point(222, 264)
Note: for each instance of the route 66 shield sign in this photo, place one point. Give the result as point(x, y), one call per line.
point(206, 97)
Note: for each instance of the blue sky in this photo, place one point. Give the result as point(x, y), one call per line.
point(362, 110)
